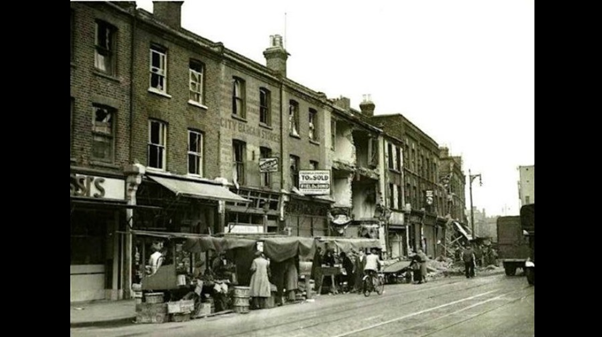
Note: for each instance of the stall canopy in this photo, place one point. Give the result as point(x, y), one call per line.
point(277, 249)
point(462, 230)
point(346, 244)
point(198, 190)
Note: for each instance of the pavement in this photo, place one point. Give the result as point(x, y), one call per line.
point(122, 312)
point(105, 312)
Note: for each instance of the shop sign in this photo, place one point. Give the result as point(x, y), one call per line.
point(246, 229)
point(429, 197)
point(315, 182)
point(97, 187)
point(268, 165)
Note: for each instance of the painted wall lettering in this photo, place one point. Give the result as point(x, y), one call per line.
point(255, 131)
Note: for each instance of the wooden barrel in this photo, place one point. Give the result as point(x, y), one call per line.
point(242, 292)
point(241, 297)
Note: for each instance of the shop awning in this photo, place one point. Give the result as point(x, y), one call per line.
point(199, 190)
point(462, 230)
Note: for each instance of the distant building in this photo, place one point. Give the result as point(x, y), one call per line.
point(526, 184)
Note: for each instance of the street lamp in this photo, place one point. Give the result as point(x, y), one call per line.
point(472, 177)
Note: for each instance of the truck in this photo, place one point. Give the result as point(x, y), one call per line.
point(513, 245)
point(527, 218)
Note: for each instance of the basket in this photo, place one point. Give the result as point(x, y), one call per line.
point(153, 297)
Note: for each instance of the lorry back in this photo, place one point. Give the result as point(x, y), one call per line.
point(513, 247)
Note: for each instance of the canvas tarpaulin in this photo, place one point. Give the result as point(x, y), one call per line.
point(346, 244)
point(280, 249)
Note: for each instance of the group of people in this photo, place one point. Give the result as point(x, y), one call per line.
point(356, 264)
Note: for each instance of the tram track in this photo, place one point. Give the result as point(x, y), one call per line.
point(325, 315)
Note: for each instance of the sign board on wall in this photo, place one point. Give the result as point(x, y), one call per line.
point(268, 165)
point(315, 182)
point(97, 187)
point(245, 228)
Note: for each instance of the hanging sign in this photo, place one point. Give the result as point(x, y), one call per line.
point(268, 165)
point(316, 182)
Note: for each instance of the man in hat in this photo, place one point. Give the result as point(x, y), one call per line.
point(468, 256)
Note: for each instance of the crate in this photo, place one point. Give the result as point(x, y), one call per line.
point(179, 317)
point(204, 309)
point(182, 306)
point(153, 297)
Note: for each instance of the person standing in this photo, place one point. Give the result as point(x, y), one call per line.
point(348, 266)
point(260, 282)
point(422, 258)
point(316, 269)
point(291, 275)
point(358, 271)
point(468, 256)
point(416, 268)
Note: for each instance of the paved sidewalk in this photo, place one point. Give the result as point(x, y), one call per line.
point(103, 312)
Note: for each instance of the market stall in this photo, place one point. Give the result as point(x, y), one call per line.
point(213, 272)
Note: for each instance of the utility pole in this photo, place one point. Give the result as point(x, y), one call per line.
point(472, 177)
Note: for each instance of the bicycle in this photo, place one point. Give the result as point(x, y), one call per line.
point(373, 282)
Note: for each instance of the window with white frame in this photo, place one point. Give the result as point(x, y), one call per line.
point(313, 124)
point(391, 154)
point(71, 128)
point(158, 68)
point(238, 97)
point(294, 167)
point(71, 33)
point(157, 143)
point(239, 148)
point(333, 134)
point(265, 152)
point(264, 106)
point(398, 158)
point(293, 118)
point(196, 74)
point(102, 132)
point(195, 152)
point(104, 51)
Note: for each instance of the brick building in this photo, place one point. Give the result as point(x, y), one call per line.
point(102, 179)
point(423, 195)
point(182, 134)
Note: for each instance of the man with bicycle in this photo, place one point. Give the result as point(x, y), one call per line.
point(372, 264)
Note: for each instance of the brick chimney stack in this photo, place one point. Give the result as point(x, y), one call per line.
point(276, 56)
point(367, 106)
point(168, 12)
point(444, 151)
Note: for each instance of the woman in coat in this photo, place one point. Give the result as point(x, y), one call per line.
point(291, 276)
point(260, 282)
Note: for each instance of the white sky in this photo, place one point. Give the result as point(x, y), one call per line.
point(461, 70)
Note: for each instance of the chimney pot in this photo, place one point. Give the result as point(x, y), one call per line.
point(168, 12)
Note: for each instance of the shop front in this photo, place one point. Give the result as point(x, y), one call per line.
point(398, 235)
point(98, 203)
point(307, 216)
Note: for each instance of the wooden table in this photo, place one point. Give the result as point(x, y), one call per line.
point(332, 272)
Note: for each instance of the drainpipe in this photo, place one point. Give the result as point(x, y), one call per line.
point(132, 179)
point(283, 198)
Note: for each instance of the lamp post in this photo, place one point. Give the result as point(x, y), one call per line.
point(472, 177)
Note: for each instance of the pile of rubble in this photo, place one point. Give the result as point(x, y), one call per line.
point(446, 267)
